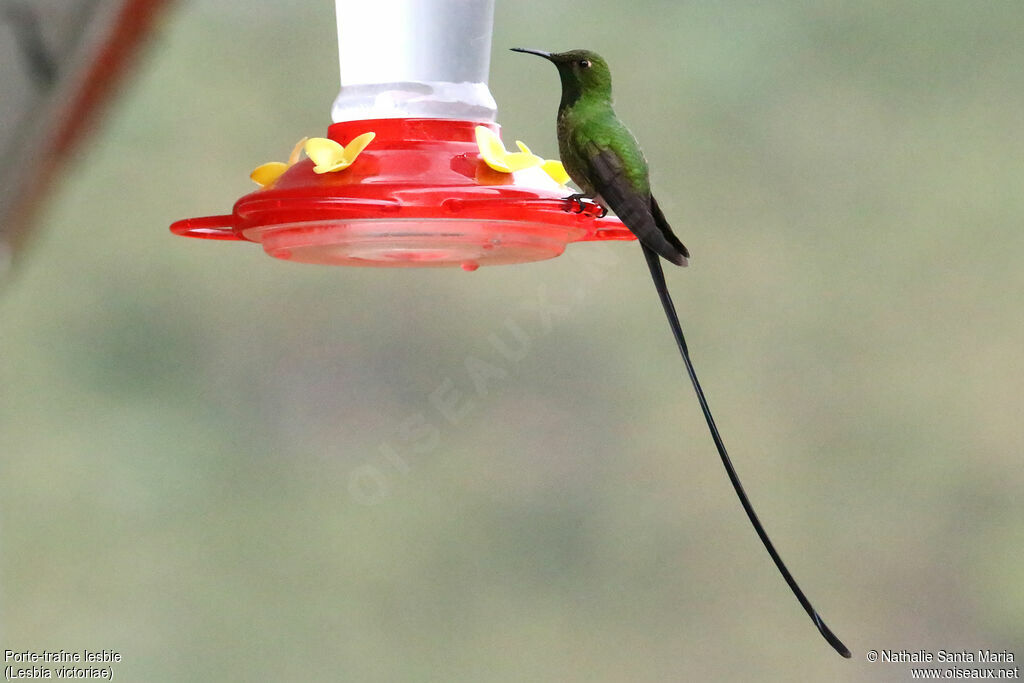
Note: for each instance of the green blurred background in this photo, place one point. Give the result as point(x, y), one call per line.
point(230, 468)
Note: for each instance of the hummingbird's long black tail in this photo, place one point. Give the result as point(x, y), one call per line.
point(658, 275)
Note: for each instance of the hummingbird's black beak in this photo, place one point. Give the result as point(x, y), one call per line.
point(539, 53)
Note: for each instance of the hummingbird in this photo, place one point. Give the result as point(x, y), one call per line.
point(604, 159)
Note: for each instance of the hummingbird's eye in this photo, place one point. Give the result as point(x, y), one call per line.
point(584, 63)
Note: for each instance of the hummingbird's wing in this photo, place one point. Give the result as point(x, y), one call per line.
point(635, 208)
point(666, 229)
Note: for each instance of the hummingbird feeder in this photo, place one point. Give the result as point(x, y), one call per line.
point(412, 171)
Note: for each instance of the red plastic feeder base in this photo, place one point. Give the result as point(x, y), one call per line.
point(419, 195)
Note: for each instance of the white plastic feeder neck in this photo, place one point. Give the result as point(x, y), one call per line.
point(414, 59)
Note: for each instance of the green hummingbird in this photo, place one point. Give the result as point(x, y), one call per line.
point(604, 159)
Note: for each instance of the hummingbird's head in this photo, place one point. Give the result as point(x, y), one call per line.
point(582, 72)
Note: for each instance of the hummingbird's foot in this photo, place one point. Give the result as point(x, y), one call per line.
point(576, 202)
point(604, 211)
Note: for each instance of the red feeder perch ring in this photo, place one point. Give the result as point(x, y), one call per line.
point(419, 195)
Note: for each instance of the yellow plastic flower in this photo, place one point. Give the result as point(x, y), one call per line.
point(494, 154)
point(497, 157)
point(552, 167)
point(329, 156)
point(556, 170)
point(267, 173)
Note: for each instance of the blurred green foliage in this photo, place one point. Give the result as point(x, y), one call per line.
point(230, 468)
